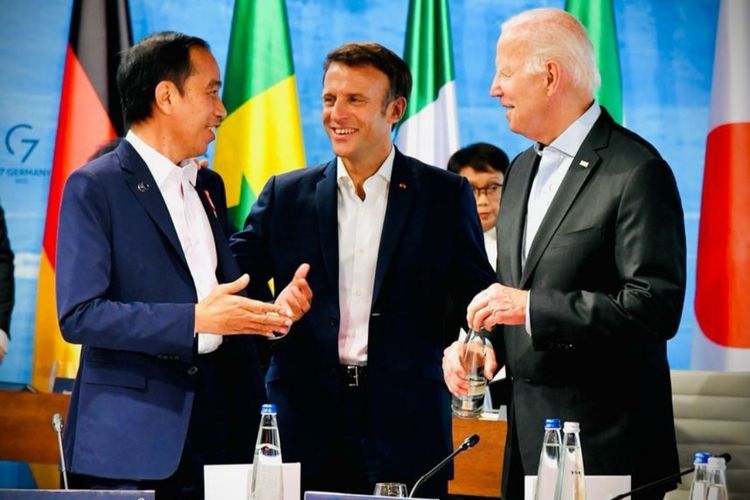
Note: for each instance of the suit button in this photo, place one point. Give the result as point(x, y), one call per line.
point(333, 321)
point(192, 370)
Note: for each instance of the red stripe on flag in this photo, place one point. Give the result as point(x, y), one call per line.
point(83, 126)
point(723, 279)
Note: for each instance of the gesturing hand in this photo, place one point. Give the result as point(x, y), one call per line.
point(296, 298)
point(224, 313)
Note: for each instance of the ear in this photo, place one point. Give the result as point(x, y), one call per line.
point(396, 109)
point(552, 75)
point(164, 95)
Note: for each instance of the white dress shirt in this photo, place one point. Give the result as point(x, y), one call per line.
point(360, 226)
point(490, 246)
point(177, 187)
point(555, 162)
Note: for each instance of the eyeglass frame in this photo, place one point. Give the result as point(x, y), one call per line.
point(494, 190)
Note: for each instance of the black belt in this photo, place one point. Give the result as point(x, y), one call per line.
point(353, 375)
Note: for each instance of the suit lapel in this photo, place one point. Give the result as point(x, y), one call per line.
point(144, 188)
point(226, 270)
point(585, 162)
point(326, 200)
point(512, 220)
point(513, 209)
point(400, 196)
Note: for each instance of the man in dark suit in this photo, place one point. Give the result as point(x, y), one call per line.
point(591, 265)
point(164, 386)
point(6, 286)
point(390, 242)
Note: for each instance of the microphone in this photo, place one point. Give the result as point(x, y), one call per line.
point(726, 456)
point(467, 443)
point(57, 424)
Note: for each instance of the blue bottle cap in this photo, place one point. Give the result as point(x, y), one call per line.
point(552, 423)
point(701, 457)
point(268, 408)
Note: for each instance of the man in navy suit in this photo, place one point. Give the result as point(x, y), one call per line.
point(391, 243)
point(591, 266)
point(147, 284)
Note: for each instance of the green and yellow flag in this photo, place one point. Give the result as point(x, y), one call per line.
point(262, 133)
point(599, 19)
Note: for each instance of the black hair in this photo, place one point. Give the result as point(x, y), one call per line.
point(158, 57)
point(482, 157)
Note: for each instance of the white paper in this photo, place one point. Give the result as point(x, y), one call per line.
point(232, 482)
point(597, 487)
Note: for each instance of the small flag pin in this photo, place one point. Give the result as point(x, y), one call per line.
point(401, 185)
point(584, 163)
point(143, 186)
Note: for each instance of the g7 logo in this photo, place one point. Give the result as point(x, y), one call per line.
point(31, 143)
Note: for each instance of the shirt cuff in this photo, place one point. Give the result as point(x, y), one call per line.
point(4, 340)
point(528, 313)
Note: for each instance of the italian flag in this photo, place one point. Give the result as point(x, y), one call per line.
point(90, 116)
point(429, 128)
point(599, 19)
point(262, 134)
point(723, 340)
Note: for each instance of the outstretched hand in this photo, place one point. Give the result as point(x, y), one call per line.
point(224, 313)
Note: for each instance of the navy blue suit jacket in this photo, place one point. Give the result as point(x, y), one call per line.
point(431, 254)
point(124, 291)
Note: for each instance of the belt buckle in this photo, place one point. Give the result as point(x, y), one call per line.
point(352, 372)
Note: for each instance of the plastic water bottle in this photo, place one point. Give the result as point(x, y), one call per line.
point(571, 484)
point(267, 481)
point(717, 479)
point(473, 352)
point(700, 476)
point(549, 461)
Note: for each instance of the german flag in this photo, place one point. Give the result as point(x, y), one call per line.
point(90, 116)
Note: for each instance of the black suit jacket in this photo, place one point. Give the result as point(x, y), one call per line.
point(431, 251)
point(606, 272)
point(6, 276)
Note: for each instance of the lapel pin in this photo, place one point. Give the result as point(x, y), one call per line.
point(401, 185)
point(584, 163)
point(211, 203)
point(143, 186)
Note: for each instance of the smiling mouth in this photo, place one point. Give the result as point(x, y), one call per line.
point(343, 131)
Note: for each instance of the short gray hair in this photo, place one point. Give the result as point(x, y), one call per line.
point(554, 34)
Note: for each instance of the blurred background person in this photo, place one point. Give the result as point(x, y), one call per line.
point(484, 166)
point(7, 286)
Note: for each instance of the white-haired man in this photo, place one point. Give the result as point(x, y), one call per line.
point(591, 266)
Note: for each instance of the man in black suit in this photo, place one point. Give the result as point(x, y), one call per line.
point(6, 286)
point(591, 265)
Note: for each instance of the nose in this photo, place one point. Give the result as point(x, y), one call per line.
point(337, 110)
point(221, 110)
point(496, 90)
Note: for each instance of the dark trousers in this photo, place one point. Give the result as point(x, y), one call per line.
point(185, 484)
point(349, 462)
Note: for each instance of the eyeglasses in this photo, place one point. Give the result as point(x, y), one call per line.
point(491, 191)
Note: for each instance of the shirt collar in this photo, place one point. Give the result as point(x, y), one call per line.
point(570, 141)
point(384, 171)
point(161, 167)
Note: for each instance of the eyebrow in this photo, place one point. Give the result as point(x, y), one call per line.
point(214, 83)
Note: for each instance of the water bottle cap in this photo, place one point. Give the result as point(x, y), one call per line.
point(571, 427)
point(268, 408)
point(552, 423)
point(717, 463)
point(701, 457)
